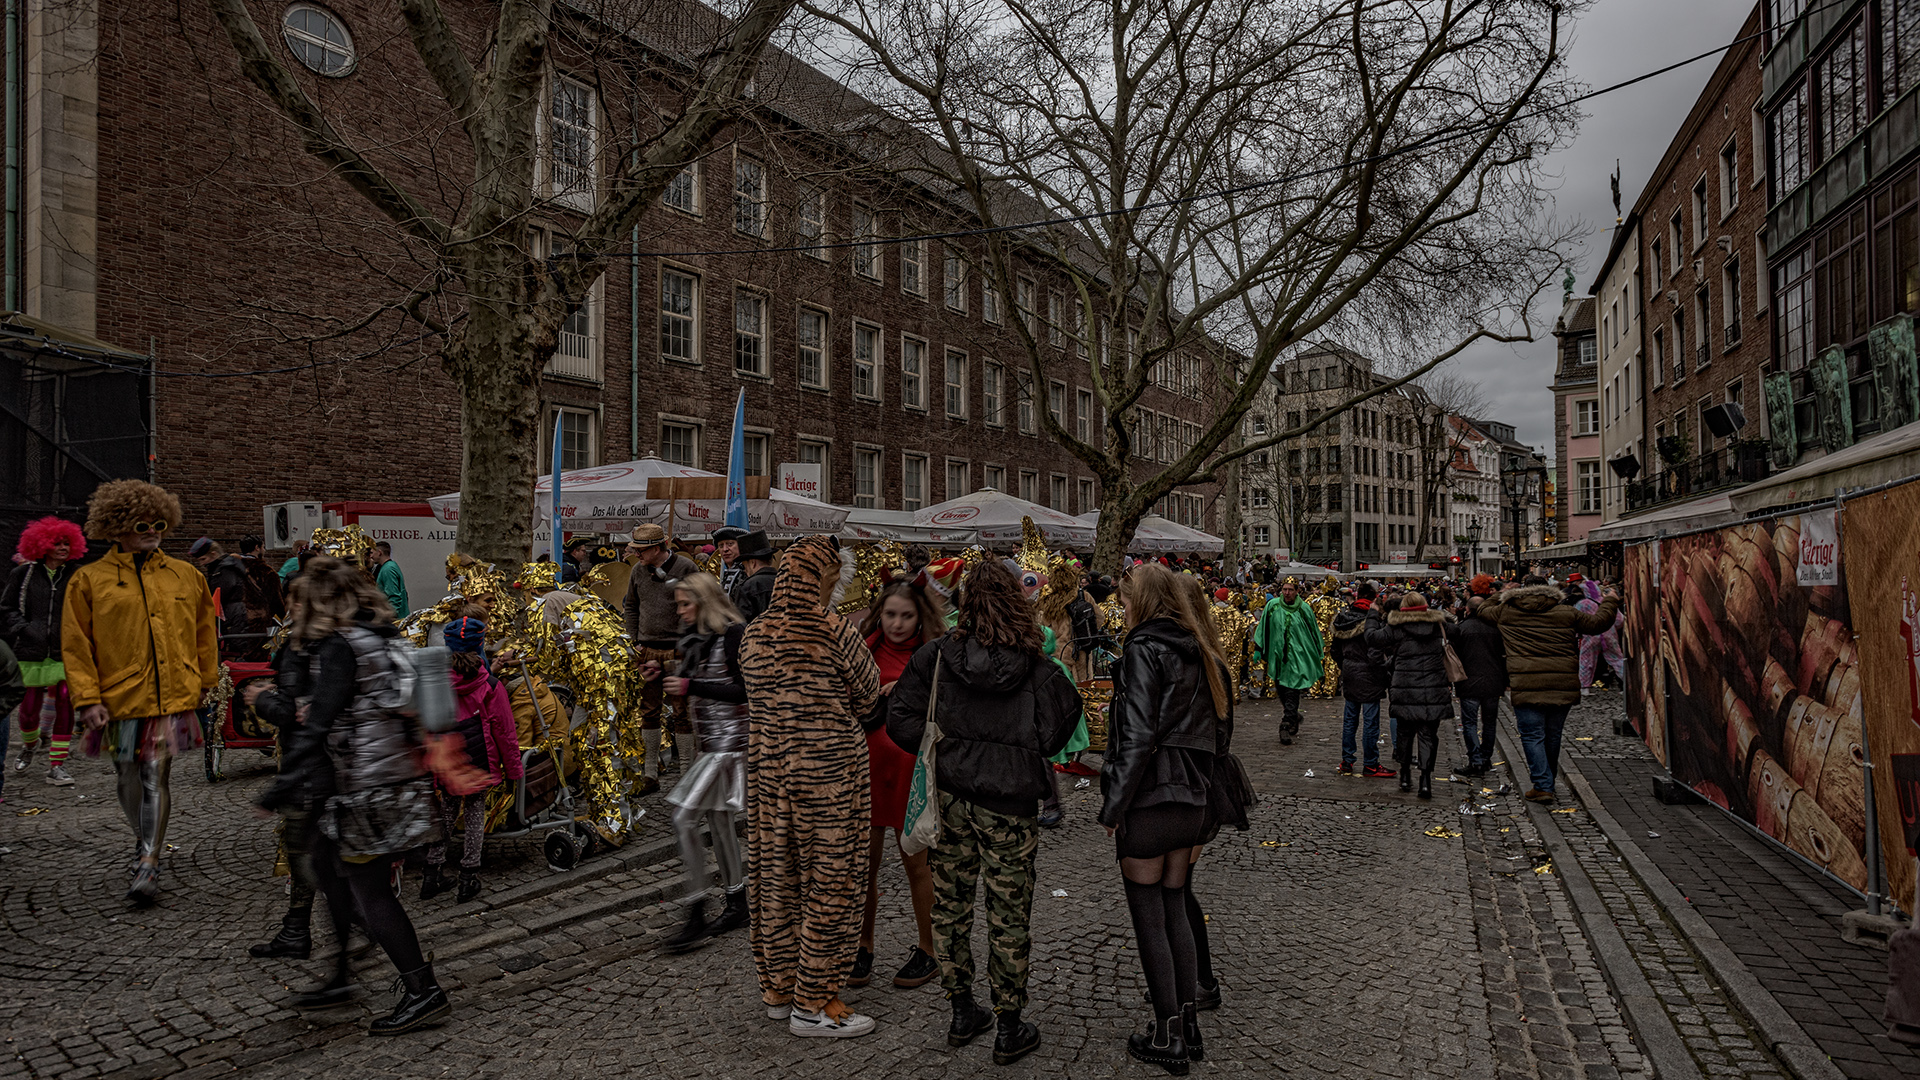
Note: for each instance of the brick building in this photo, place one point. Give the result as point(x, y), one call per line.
point(167, 210)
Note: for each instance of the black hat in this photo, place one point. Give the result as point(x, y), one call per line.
point(731, 532)
point(754, 545)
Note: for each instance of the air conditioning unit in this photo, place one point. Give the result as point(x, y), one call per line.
point(283, 523)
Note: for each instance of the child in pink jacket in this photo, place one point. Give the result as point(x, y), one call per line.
point(492, 742)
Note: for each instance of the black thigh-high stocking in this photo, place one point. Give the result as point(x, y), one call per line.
point(1202, 952)
point(371, 886)
point(1147, 905)
point(333, 885)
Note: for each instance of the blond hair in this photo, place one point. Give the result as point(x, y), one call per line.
point(714, 612)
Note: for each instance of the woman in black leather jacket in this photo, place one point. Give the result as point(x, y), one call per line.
point(1412, 637)
point(1170, 696)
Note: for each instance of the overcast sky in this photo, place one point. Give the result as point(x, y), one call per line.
point(1616, 40)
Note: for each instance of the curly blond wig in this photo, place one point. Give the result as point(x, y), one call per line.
point(117, 505)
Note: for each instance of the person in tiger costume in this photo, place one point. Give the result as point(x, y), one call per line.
point(810, 679)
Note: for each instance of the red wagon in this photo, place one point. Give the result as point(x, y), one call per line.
point(238, 727)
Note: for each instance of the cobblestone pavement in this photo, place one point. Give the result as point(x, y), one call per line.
point(1357, 931)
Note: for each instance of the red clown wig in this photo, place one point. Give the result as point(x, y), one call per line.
point(41, 536)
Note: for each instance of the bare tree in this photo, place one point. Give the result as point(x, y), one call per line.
point(1439, 399)
point(464, 265)
point(1230, 180)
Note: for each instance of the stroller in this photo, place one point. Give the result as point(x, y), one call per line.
point(547, 798)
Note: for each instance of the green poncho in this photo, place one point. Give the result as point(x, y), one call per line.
point(1288, 642)
point(1078, 741)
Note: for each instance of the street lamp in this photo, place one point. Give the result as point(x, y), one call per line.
point(1473, 547)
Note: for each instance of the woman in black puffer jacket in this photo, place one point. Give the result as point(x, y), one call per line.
point(1413, 640)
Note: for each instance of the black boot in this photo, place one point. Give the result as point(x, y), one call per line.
point(1163, 1044)
point(1426, 784)
point(1015, 1039)
point(1406, 777)
point(295, 939)
point(433, 883)
point(337, 991)
point(423, 1005)
point(1190, 1031)
point(469, 886)
point(969, 1019)
point(733, 916)
point(691, 933)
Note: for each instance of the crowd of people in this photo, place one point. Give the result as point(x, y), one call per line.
point(943, 712)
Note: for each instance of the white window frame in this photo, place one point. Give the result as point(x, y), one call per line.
point(1023, 407)
point(1729, 176)
point(1083, 415)
point(291, 35)
point(993, 394)
point(692, 317)
point(1058, 492)
point(574, 194)
point(953, 279)
point(989, 304)
point(913, 373)
point(1587, 486)
point(691, 176)
point(578, 350)
point(800, 447)
point(912, 463)
point(749, 203)
point(810, 221)
point(591, 420)
point(743, 299)
point(1088, 499)
point(995, 477)
point(1586, 417)
point(966, 477)
point(1056, 319)
point(691, 424)
point(866, 251)
point(1057, 402)
point(822, 348)
point(1025, 302)
point(872, 363)
point(1029, 480)
point(874, 457)
point(955, 362)
point(913, 268)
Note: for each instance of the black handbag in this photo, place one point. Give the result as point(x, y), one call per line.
point(1231, 793)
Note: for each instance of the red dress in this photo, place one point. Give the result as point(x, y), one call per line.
point(890, 767)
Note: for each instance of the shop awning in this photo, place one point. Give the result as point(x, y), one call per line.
point(1704, 512)
point(1572, 549)
point(1882, 459)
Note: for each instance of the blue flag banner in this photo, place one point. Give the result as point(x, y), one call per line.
point(558, 430)
point(737, 467)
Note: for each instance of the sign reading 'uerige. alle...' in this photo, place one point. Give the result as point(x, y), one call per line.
point(1819, 561)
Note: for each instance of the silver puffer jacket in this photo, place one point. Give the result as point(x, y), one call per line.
point(372, 746)
point(712, 664)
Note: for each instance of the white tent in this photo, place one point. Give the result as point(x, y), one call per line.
point(1157, 534)
point(1401, 571)
point(613, 498)
point(1303, 571)
point(868, 524)
point(995, 516)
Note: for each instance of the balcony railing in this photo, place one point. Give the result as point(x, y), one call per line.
point(1733, 333)
point(1735, 464)
point(1701, 356)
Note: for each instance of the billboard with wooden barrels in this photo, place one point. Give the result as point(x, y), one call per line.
point(1763, 703)
point(1880, 559)
point(1646, 709)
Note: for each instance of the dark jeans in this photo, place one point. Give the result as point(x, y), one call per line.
point(1540, 729)
point(1479, 736)
point(1364, 716)
point(1290, 709)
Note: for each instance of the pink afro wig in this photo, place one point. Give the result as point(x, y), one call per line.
point(40, 537)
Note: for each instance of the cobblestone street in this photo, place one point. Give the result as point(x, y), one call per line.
point(1357, 932)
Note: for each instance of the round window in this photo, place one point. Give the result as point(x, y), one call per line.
point(319, 39)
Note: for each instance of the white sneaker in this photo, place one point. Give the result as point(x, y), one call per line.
point(819, 1025)
point(57, 776)
point(779, 1012)
point(26, 756)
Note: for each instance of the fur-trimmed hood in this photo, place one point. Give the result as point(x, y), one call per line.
point(1424, 615)
point(1533, 599)
point(1350, 622)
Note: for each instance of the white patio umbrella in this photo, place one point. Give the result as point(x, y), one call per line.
point(613, 498)
point(898, 525)
point(1157, 534)
point(995, 515)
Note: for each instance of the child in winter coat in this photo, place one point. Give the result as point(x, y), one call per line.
point(487, 727)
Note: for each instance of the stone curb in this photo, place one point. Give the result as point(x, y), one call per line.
point(1659, 1040)
point(1788, 1041)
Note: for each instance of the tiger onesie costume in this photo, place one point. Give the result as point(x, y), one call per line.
point(809, 679)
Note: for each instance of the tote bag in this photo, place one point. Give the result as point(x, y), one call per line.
point(923, 798)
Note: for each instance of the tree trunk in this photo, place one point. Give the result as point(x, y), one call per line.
point(500, 427)
point(1118, 519)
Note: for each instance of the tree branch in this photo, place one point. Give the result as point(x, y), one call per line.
point(441, 53)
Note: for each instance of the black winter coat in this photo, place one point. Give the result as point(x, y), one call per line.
point(1483, 654)
point(1162, 731)
point(30, 610)
point(1412, 642)
point(752, 594)
point(1363, 672)
point(324, 680)
point(1002, 713)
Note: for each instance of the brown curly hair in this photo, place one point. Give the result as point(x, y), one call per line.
point(117, 505)
point(993, 611)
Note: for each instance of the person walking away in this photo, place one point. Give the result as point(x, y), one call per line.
point(386, 574)
point(1170, 693)
point(1003, 709)
point(754, 590)
point(655, 630)
point(375, 798)
point(292, 566)
point(1540, 632)
point(265, 607)
point(1288, 643)
point(1483, 655)
point(1413, 641)
point(138, 640)
point(714, 787)
point(488, 736)
point(279, 703)
point(1363, 682)
point(12, 689)
point(905, 616)
point(49, 550)
point(227, 580)
point(1604, 645)
point(810, 680)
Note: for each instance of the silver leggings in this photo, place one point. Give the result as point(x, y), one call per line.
point(693, 850)
point(146, 801)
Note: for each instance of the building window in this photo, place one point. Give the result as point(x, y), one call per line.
point(1730, 300)
point(1056, 320)
point(866, 253)
point(577, 443)
point(956, 478)
point(1023, 297)
point(683, 191)
point(1700, 212)
point(992, 381)
point(866, 477)
point(815, 453)
point(680, 443)
point(913, 267)
point(1586, 417)
point(679, 313)
point(1030, 485)
point(1702, 308)
point(1659, 364)
point(811, 338)
point(576, 354)
point(810, 221)
point(913, 481)
point(1057, 492)
point(953, 280)
point(753, 449)
point(990, 304)
point(749, 197)
point(570, 143)
point(1583, 352)
point(1087, 500)
point(1083, 415)
point(1677, 236)
point(1679, 346)
point(913, 373)
point(318, 40)
point(1261, 499)
point(1656, 261)
point(1729, 176)
point(1057, 403)
point(1788, 137)
point(996, 477)
point(866, 361)
point(1899, 49)
point(1841, 81)
point(1261, 535)
point(1023, 405)
point(749, 333)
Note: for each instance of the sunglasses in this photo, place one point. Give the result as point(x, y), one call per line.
point(139, 527)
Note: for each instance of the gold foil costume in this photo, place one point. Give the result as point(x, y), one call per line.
point(1326, 604)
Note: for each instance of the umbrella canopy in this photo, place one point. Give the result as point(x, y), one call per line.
point(1391, 571)
point(1157, 534)
point(613, 498)
point(995, 516)
point(868, 524)
point(1303, 571)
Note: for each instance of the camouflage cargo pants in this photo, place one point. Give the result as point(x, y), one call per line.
point(977, 845)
